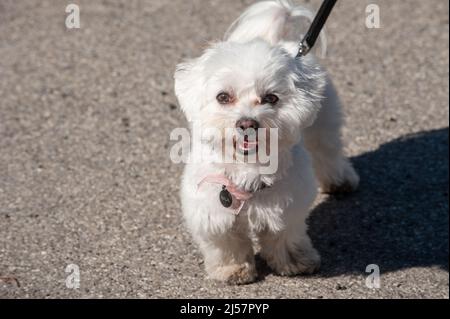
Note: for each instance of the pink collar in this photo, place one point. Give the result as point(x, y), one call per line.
point(239, 196)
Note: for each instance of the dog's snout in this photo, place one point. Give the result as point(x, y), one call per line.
point(246, 123)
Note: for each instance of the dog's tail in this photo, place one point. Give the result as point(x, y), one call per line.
point(268, 20)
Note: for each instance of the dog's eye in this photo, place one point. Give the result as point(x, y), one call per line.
point(269, 98)
point(223, 98)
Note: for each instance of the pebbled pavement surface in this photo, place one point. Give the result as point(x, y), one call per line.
point(85, 176)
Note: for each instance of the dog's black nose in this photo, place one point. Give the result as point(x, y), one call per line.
point(246, 123)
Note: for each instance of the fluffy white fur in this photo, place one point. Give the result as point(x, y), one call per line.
point(253, 60)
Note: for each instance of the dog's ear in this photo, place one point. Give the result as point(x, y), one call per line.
point(311, 83)
point(189, 82)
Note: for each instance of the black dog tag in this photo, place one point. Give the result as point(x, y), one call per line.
point(225, 198)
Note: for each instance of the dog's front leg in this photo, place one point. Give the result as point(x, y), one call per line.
point(229, 257)
point(289, 251)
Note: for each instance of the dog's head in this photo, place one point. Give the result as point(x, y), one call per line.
point(250, 85)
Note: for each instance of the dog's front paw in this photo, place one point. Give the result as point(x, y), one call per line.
point(240, 274)
point(297, 262)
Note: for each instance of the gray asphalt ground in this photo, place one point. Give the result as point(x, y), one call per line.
point(85, 175)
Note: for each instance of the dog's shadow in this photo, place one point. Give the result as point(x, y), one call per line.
point(399, 216)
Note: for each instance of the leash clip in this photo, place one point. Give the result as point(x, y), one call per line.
point(303, 49)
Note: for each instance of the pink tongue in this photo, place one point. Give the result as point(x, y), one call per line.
point(246, 144)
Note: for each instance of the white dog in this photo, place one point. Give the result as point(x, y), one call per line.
point(253, 80)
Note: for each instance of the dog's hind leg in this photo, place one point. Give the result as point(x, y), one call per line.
point(333, 170)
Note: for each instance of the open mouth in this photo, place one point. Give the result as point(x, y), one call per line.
point(245, 145)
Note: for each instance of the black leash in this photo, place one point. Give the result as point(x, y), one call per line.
point(314, 30)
